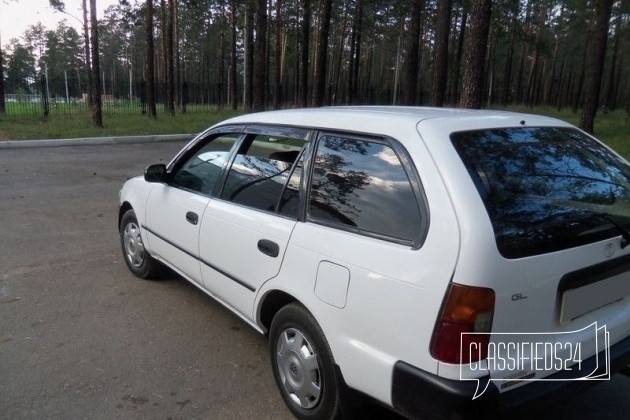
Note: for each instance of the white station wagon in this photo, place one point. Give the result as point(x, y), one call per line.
point(440, 261)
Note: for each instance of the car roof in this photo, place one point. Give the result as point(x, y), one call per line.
point(376, 118)
point(379, 112)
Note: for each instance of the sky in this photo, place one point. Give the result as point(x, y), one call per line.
point(17, 16)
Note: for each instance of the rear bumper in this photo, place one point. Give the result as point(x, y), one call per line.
point(417, 393)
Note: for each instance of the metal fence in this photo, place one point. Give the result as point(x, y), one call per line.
point(55, 97)
point(66, 95)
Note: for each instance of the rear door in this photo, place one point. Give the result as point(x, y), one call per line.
point(366, 262)
point(245, 230)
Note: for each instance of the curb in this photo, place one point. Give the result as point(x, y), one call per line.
point(94, 141)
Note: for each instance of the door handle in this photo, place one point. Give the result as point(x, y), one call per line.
point(192, 217)
point(268, 247)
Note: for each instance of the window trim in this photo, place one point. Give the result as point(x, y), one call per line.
point(300, 133)
point(200, 141)
point(406, 164)
point(294, 166)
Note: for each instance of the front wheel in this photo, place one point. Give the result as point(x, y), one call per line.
point(303, 365)
point(139, 261)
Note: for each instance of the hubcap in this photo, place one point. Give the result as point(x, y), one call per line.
point(299, 369)
point(134, 248)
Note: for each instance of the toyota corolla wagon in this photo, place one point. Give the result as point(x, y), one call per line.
point(439, 261)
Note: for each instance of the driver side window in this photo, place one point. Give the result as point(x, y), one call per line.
point(201, 172)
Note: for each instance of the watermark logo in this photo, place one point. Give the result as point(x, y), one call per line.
point(514, 358)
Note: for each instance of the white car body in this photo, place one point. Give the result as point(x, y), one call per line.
point(376, 301)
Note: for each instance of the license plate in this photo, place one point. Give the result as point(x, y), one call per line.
point(582, 300)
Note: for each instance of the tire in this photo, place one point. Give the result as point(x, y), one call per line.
point(303, 366)
point(137, 258)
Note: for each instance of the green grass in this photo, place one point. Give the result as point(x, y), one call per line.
point(78, 124)
point(613, 127)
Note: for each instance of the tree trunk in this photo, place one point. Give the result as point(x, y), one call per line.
point(336, 94)
point(277, 76)
point(506, 95)
point(2, 102)
point(490, 66)
point(595, 65)
point(88, 60)
point(355, 54)
point(611, 91)
point(532, 86)
point(410, 77)
point(556, 96)
point(170, 59)
point(322, 56)
point(475, 54)
point(440, 60)
point(248, 96)
point(306, 32)
point(177, 75)
point(579, 86)
point(458, 58)
point(260, 58)
point(97, 110)
point(233, 58)
point(565, 98)
point(164, 55)
point(150, 77)
point(221, 60)
point(550, 79)
point(524, 54)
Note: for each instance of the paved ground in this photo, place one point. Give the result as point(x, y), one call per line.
point(80, 337)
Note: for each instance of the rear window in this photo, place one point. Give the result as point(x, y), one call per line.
point(546, 188)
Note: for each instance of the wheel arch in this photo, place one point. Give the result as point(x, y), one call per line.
point(124, 207)
point(271, 303)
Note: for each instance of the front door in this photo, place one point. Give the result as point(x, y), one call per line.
point(174, 210)
point(172, 221)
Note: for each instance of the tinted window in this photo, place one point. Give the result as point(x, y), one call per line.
point(260, 171)
point(546, 189)
point(362, 185)
point(202, 170)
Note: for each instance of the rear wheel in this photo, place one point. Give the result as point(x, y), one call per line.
point(139, 261)
point(302, 364)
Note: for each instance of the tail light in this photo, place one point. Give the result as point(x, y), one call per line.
point(466, 309)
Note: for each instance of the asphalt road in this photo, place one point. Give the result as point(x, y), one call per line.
point(81, 337)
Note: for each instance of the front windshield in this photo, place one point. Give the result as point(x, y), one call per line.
point(546, 188)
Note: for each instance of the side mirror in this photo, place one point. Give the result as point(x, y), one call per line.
point(155, 173)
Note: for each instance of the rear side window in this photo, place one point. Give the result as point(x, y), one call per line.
point(261, 170)
point(546, 188)
point(362, 186)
